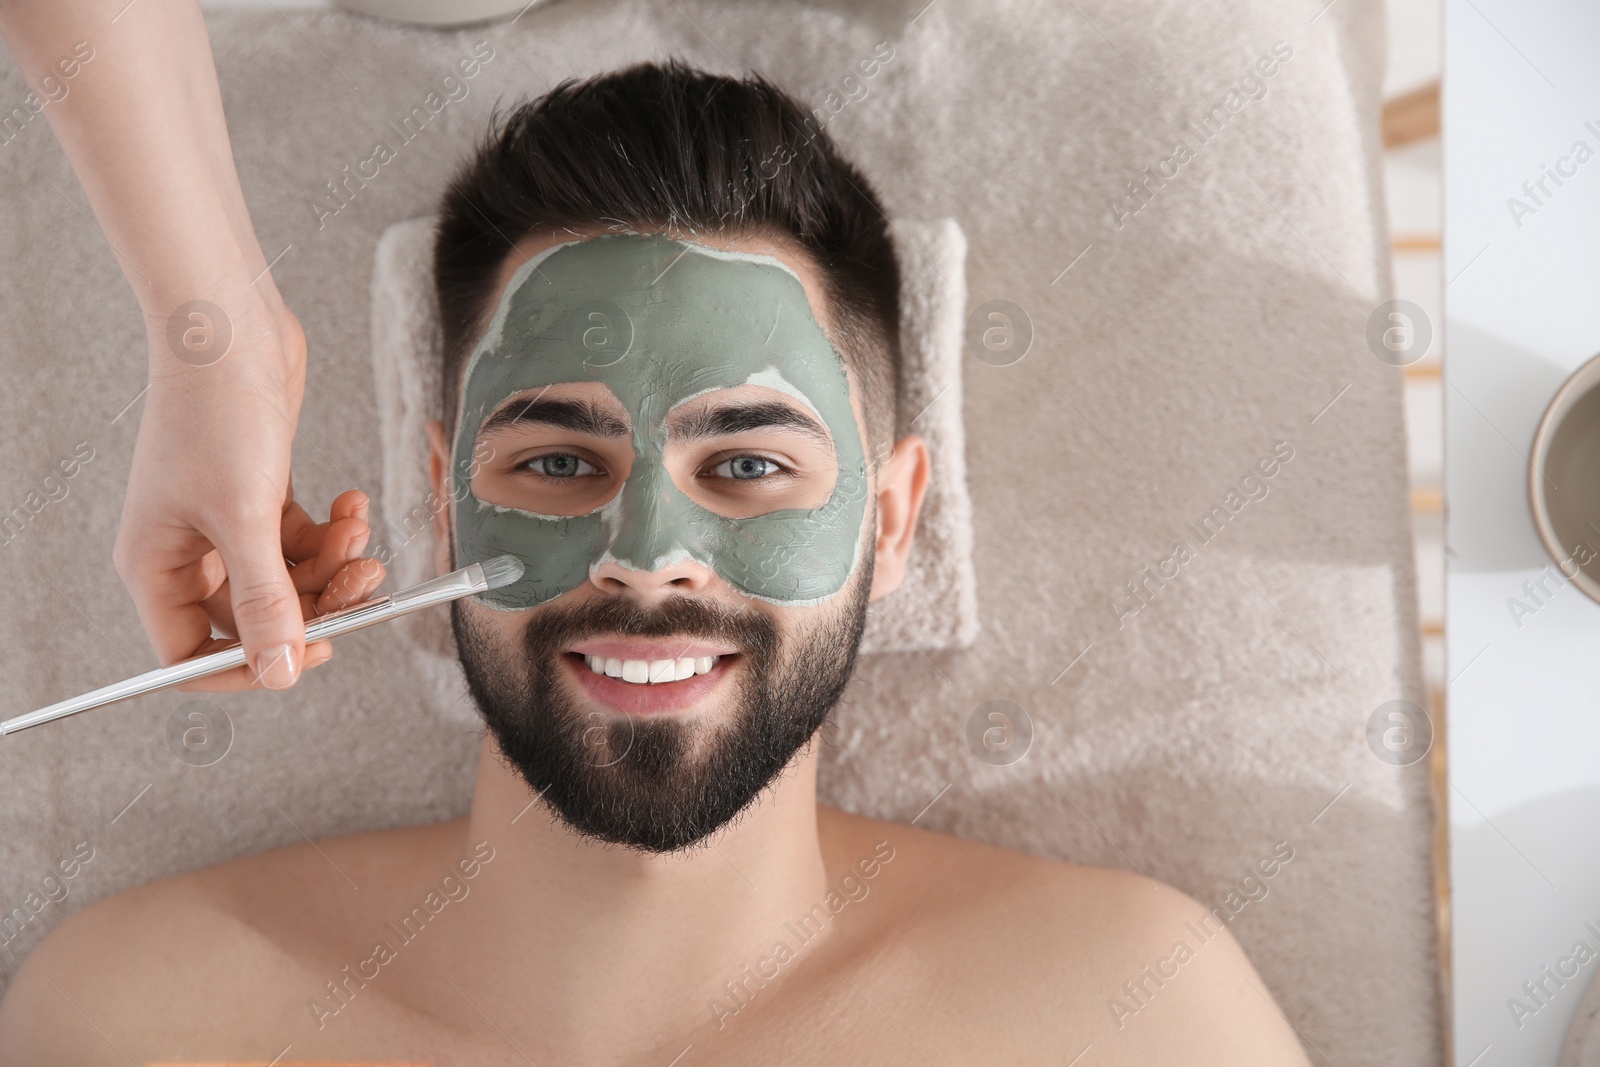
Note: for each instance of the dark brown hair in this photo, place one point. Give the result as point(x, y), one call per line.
point(662, 147)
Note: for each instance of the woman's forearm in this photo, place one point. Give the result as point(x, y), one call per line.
point(147, 141)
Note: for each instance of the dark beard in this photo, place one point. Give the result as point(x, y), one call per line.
point(658, 784)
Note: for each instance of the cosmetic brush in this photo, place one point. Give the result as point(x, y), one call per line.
point(477, 578)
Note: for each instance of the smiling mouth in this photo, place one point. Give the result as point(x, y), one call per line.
point(651, 671)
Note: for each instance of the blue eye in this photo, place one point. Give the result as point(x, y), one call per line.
point(747, 468)
point(560, 465)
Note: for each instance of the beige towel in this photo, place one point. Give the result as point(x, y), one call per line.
point(1169, 354)
point(936, 607)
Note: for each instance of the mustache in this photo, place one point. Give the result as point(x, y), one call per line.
point(675, 616)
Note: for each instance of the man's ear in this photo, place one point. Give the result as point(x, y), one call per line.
point(439, 478)
point(902, 481)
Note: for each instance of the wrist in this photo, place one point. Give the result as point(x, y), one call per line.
point(234, 328)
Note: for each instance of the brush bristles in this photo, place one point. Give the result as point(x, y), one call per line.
point(501, 571)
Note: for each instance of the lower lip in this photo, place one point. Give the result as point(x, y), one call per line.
point(630, 698)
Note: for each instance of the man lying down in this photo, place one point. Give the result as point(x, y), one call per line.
point(670, 329)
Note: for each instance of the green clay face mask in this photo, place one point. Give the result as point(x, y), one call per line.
point(658, 322)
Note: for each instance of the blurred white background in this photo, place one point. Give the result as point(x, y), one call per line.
point(1524, 781)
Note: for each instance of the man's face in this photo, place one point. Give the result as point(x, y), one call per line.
point(664, 436)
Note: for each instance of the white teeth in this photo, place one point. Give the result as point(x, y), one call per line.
point(651, 672)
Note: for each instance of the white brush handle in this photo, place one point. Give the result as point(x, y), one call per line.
point(452, 586)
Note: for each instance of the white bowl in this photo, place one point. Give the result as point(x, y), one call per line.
point(436, 12)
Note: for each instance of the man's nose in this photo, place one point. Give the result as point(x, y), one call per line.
point(682, 576)
point(649, 552)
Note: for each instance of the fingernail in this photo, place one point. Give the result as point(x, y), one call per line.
point(359, 545)
point(275, 667)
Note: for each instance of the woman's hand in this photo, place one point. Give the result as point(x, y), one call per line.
point(208, 495)
point(211, 536)
point(328, 573)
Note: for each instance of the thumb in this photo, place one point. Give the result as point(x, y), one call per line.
point(266, 608)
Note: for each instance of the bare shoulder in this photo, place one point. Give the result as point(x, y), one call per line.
point(128, 972)
point(88, 991)
point(1073, 955)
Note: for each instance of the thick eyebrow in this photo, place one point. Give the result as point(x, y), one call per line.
point(580, 416)
point(736, 418)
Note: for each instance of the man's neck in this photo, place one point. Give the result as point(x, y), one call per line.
point(593, 934)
